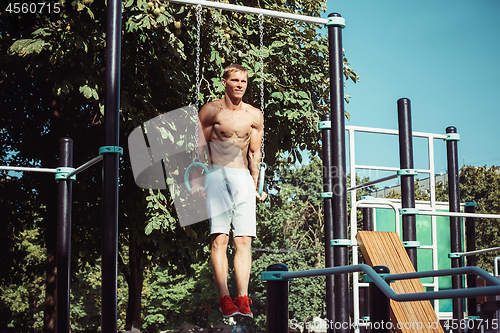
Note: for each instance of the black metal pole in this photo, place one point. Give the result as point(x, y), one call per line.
point(470, 225)
point(380, 307)
point(407, 182)
point(328, 215)
point(277, 302)
point(454, 206)
point(110, 169)
point(368, 226)
point(338, 172)
point(64, 237)
point(368, 219)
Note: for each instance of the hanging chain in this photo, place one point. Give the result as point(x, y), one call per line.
point(261, 28)
point(197, 107)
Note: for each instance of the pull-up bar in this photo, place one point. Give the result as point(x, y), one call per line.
point(266, 12)
point(24, 169)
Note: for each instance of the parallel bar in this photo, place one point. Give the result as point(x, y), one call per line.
point(429, 295)
point(376, 181)
point(444, 272)
point(85, 166)
point(23, 169)
point(473, 253)
point(251, 10)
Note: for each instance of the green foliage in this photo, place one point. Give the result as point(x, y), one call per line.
point(482, 185)
point(174, 299)
point(23, 298)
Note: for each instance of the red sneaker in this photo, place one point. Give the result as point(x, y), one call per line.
point(242, 304)
point(227, 307)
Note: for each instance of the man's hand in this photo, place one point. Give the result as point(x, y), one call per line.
point(197, 191)
point(262, 197)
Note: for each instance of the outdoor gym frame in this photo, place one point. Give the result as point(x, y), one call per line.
point(65, 174)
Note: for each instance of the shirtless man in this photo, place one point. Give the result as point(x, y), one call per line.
point(233, 130)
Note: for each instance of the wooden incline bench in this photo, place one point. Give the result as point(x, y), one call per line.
point(386, 249)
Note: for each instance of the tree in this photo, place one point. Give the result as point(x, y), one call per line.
point(482, 185)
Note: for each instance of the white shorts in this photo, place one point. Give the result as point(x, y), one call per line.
point(231, 202)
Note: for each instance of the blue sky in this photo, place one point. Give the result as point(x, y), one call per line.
point(441, 54)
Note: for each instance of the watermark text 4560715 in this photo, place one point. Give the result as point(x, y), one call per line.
point(33, 8)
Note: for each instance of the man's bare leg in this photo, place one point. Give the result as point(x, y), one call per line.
point(219, 262)
point(242, 263)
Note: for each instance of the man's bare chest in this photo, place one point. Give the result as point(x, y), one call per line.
point(234, 124)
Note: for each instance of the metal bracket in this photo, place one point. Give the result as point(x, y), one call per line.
point(407, 172)
point(470, 204)
point(63, 172)
point(367, 197)
point(366, 319)
point(367, 279)
point(273, 276)
point(409, 211)
point(340, 242)
point(339, 21)
point(326, 195)
point(327, 124)
point(111, 150)
point(454, 255)
point(411, 244)
point(474, 317)
point(452, 137)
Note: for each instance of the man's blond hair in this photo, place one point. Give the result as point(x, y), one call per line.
point(233, 68)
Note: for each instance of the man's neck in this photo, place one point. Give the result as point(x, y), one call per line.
point(232, 104)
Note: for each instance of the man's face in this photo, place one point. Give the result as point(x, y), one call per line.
point(236, 84)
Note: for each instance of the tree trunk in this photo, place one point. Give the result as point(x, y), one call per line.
point(47, 189)
point(135, 281)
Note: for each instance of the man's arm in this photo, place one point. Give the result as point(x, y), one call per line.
point(254, 152)
point(205, 123)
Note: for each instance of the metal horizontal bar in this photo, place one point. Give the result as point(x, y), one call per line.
point(85, 166)
point(486, 216)
point(384, 168)
point(444, 272)
point(251, 10)
point(393, 132)
point(473, 253)
point(387, 290)
point(376, 181)
point(25, 169)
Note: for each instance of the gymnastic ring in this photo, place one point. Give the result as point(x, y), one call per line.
point(188, 169)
